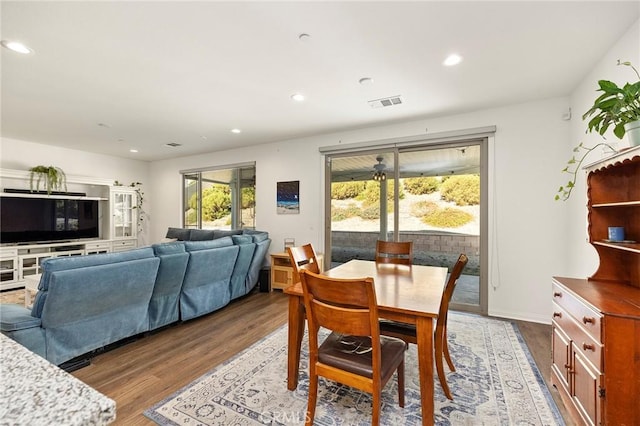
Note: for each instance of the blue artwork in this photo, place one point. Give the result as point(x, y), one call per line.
point(288, 197)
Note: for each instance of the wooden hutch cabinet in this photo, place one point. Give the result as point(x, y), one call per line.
point(596, 321)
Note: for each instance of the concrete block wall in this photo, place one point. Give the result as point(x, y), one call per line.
point(429, 248)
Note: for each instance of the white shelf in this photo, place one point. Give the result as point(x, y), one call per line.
point(52, 196)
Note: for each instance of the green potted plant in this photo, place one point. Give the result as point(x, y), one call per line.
point(617, 107)
point(54, 178)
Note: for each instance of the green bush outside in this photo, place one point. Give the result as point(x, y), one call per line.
point(346, 190)
point(464, 190)
point(448, 217)
point(341, 213)
point(423, 208)
point(216, 202)
point(421, 185)
point(371, 194)
point(370, 212)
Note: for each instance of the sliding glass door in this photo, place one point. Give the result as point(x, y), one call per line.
point(430, 194)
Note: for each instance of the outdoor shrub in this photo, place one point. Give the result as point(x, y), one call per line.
point(423, 208)
point(371, 194)
point(370, 213)
point(342, 213)
point(421, 185)
point(448, 217)
point(345, 190)
point(464, 190)
point(216, 202)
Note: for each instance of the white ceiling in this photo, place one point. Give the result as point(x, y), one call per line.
point(189, 72)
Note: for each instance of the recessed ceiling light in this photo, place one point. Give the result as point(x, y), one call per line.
point(236, 131)
point(16, 46)
point(173, 144)
point(365, 80)
point(304, 37)
point(133, 150)
point(453, 59)
point(108, 126)
point(298, 97)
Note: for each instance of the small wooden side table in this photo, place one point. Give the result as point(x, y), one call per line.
point(282, 271)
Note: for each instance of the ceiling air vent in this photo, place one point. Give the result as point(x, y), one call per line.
point(385, 102)
point(174, 144)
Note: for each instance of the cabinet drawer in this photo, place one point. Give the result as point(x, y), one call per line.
point(588, 318)
point(98, 245)
point(123, 245)
point(582, 341)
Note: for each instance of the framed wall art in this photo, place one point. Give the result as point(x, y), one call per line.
point(288, 197)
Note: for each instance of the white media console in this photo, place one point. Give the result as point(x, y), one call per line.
point(118, 223)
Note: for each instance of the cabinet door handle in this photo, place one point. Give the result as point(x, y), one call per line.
point(557, 294)
point(588, 347)
point(557, 314)
point(588, 320)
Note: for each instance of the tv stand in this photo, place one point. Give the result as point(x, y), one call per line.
point(23, 260)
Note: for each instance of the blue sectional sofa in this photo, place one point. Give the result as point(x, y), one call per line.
point(87, 302)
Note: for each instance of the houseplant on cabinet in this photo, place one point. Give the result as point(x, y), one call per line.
point(54, 178)
point(617, 107)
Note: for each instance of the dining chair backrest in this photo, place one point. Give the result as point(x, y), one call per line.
point(347, 306)
point(303, 258)
point(396, 252)
point(450, 287)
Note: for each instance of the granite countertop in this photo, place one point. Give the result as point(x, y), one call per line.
point(35, 392)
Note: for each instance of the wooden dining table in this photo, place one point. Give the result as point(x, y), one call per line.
point(410, 294)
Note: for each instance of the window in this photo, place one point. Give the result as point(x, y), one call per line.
point(221, 198)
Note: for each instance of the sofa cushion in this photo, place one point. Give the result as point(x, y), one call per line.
point(209, 244)
point(241, 239)
point(182, 234)
point(75, 262)
point(202, 234)
point(168, 248)
point(259, 237)
point(16, 317)
point(220, 233)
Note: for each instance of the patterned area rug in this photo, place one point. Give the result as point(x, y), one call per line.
point(12, 296)
point(496, 382)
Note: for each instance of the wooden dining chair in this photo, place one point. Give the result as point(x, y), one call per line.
point(303, 257)
point(400, 253)
point(354, 353)
point(407, 332)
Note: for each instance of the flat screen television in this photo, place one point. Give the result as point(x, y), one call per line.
point(24, 220)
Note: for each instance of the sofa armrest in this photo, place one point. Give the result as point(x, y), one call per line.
point(16, 317)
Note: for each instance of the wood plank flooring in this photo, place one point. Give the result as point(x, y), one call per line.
point(147, 370)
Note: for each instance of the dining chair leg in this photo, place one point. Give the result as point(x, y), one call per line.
point(447, 357)
point(439, 350)
point(400, 373)
point(313, 397)
point(375, 411)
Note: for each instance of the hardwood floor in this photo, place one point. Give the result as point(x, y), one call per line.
point(141, 373)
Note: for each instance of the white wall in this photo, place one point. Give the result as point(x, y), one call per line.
point(582, 259)
point(526, 234)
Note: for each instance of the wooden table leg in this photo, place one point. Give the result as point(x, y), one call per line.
point(424, 331)
point(296, 332)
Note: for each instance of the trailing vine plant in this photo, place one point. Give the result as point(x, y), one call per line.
point(139, 202)
point(54, 178)
point(573, 166)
